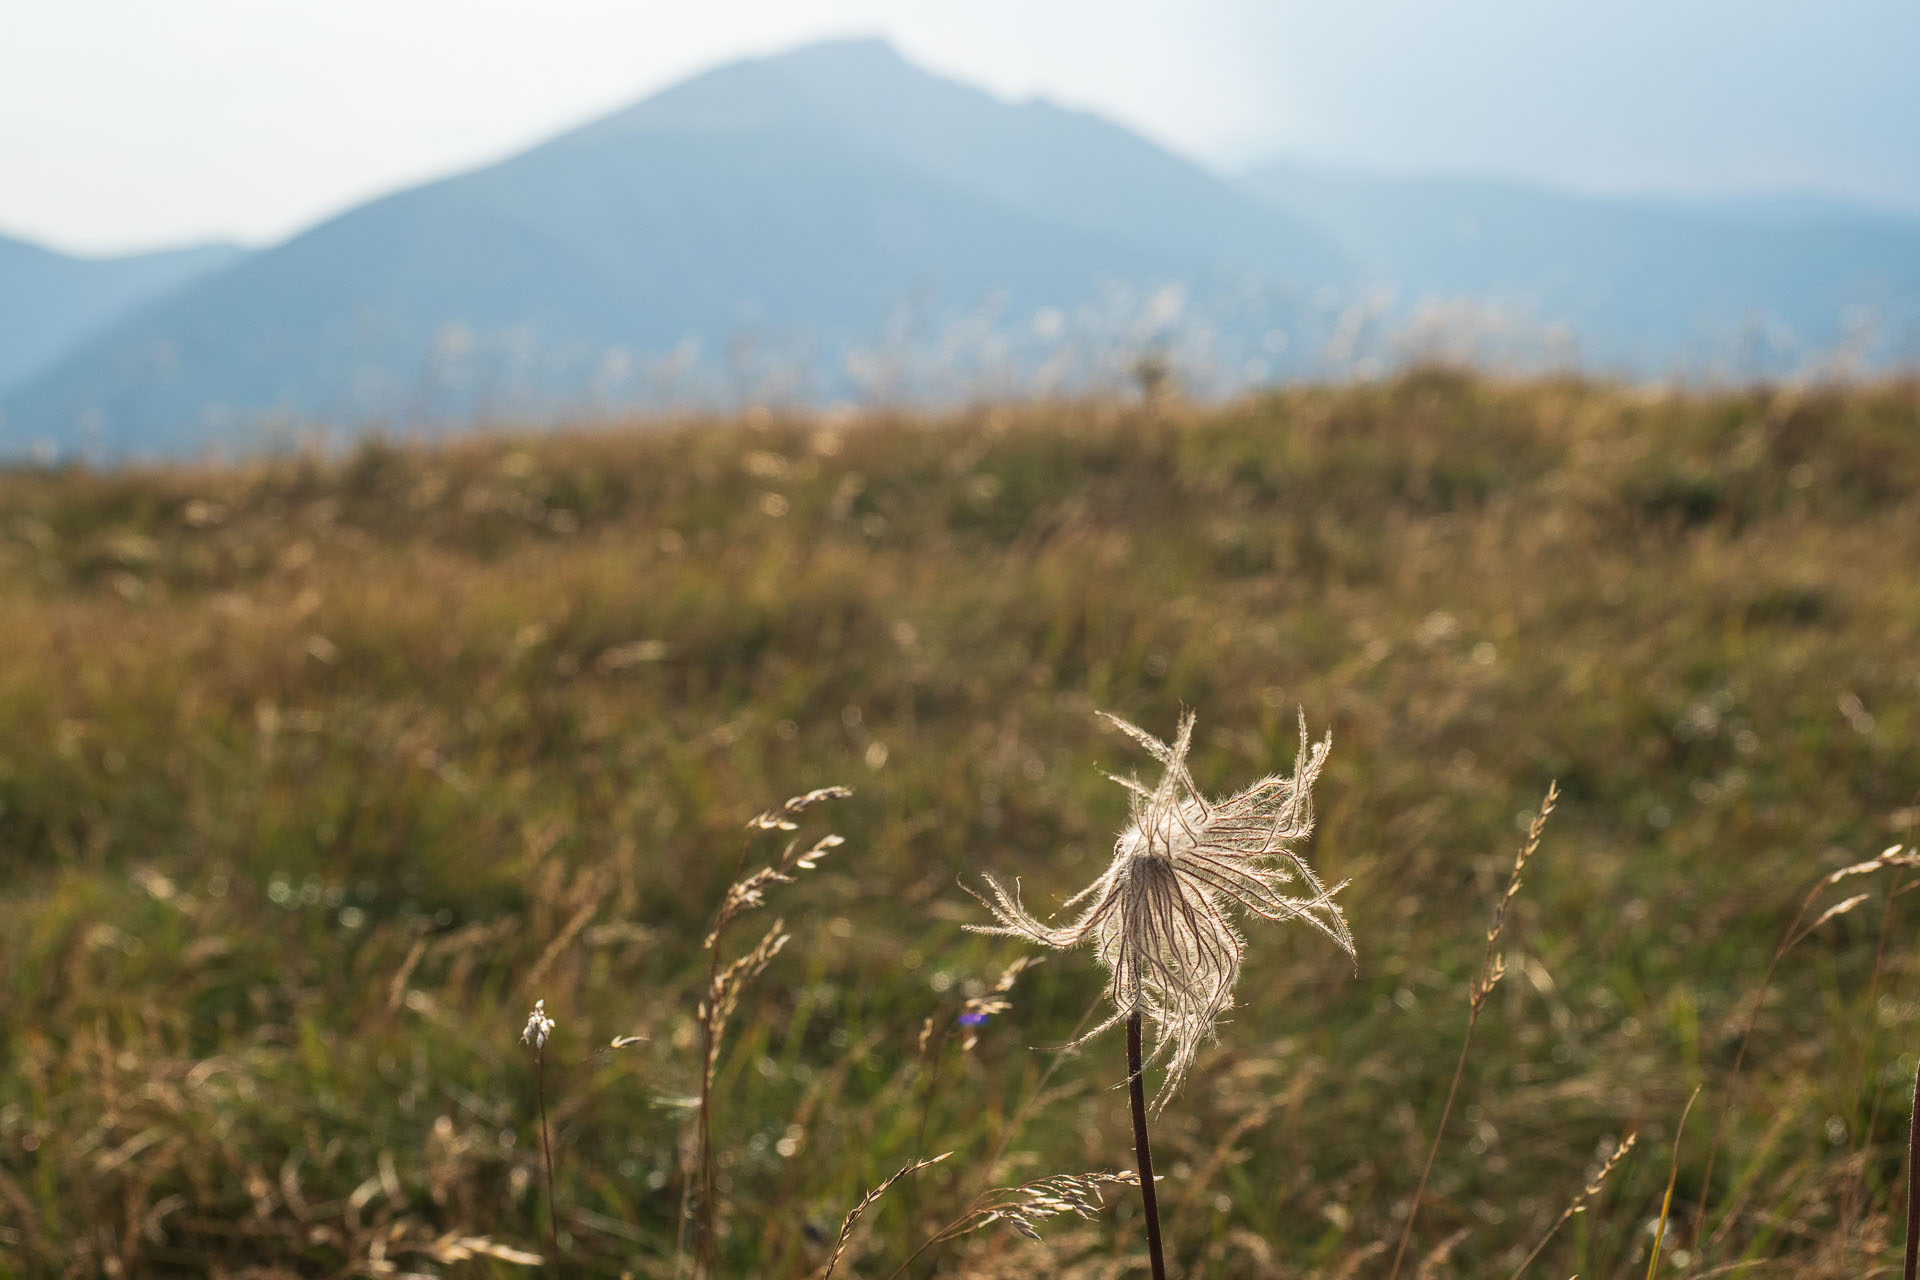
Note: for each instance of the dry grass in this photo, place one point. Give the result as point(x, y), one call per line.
point(314, 775)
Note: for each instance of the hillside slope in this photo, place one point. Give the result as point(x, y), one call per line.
point(50, 301)
point(315, 773)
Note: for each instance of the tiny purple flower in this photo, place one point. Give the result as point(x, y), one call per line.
point(973, 1018)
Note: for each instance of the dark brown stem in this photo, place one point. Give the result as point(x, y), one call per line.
point(546, 1148)
point(1913, 1185)
point(1142, 1150)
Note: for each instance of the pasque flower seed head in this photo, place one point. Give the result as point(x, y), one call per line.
point(1160, 916)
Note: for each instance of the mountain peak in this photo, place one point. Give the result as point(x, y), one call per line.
point(795, 204)
point(856, 52)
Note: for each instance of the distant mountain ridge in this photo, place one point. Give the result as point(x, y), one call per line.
point(1741, 287)
point(835, 222)
point(1033, 158)
point(49, 301)
point(802, 227)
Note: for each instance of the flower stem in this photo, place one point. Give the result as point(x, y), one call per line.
point(1142, 1150)
point(546, 1148)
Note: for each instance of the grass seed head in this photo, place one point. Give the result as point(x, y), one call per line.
point(539, 1026)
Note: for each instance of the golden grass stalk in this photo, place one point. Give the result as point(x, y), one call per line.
point(446, 1247)
point(1493, 967)
point(1673, 1176)
point(1022, 1206)
point(1579, 1202)
point(1889, 857)
point(722, 997)
point(975, 1012)
point(867, 1202)
point(1856, 1190)
point(1441, 1255)
point(1912, 1262)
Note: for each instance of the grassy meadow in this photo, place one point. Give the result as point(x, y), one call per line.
point(316, 773)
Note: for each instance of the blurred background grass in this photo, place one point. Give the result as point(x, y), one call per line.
point(314, 774)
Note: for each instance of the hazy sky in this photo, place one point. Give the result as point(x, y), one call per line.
point(129, 123)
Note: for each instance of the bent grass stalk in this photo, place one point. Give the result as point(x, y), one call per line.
point(722, 997)
point(1856, 1189)
point(1579, 1202)
point(1892, 856)
point(1492, 968)
point(867, 1202)
point(1021, 1207)
point(975, 1012)
point(984, 1201)
point(1027, 1104)
point(1673, 1176)
point(1912, 1262)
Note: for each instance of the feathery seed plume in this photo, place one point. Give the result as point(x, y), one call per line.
point(1159, 916)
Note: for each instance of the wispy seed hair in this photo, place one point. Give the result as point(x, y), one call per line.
point(1159, 916)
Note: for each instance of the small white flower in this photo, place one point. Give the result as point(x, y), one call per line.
point(1158, 917)
point(539, 1026)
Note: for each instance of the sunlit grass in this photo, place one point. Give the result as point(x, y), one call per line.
point(315, 774)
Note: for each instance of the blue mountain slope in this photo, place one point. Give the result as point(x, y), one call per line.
point(538, 272)
point(1052, 163)
point(50, 301)
point(752, 224)
point(835, 222)
point(1738, 286)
